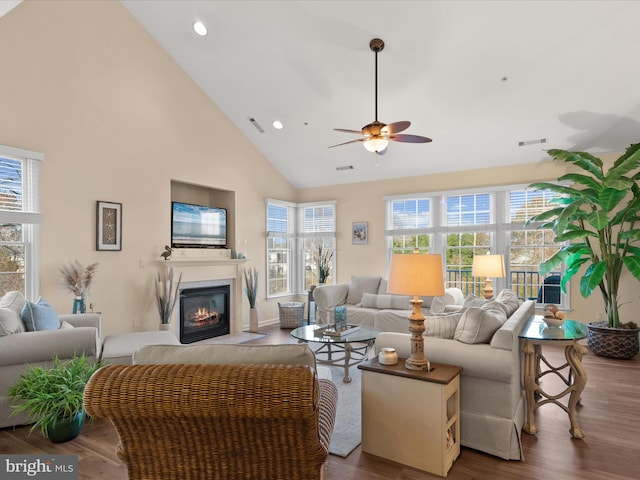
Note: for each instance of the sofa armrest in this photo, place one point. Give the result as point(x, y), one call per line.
point(329, 296)
point(41, 346)
point(83, 320)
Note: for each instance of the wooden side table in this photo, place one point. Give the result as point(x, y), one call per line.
point(535, 334)
point(412, 417)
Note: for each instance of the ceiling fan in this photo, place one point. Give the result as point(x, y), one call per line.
point(376, 135)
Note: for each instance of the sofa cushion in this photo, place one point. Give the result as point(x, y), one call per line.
point(478, 324)
point(360, 286)
point(382, 302)
point(509, 299)
point(438, 303)
point(441, 326)
point(473, 301)
point(39, 316)
point(64, 325)
point(10, 322)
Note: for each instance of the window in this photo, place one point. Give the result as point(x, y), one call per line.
point(280, 246)
point(19, 221)
point(294, 234)
point(469, 223)
point(319, 231)
point(409, 224)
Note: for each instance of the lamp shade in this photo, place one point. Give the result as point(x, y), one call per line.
point(488, 266)
point(416, 274)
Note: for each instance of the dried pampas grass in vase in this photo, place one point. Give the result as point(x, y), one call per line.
point(77, 279)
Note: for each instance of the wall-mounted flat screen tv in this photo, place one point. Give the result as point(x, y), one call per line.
point(198, 226)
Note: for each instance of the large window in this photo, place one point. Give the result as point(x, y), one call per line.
point(295, 232)
point(19, 220)
point(478, 222)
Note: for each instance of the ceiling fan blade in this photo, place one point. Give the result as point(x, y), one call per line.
point(396, 127)
point(359, 132)
point(409, 138)
point(350, 141)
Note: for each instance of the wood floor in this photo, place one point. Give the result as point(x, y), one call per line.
point(609, 415)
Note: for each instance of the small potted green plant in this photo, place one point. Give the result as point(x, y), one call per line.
point(53, 396)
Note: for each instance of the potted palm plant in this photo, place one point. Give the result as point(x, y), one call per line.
point(53, 396)
point(599, 215)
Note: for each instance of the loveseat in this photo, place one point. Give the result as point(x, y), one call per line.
point(368, 303)
point(21, 349)
point(492, 400)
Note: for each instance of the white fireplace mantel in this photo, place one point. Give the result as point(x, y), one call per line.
point(201, 269)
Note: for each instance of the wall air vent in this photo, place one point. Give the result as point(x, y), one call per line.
point(345, 167)
point(256, 124)
point(531, 142)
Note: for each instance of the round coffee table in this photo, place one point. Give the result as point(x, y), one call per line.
point(338, 350)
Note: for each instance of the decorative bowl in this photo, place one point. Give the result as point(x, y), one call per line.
point(553, 322)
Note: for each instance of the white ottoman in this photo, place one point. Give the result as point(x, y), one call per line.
point(119, 348)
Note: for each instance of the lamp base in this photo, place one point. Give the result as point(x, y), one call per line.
point(417, 360)
point(488, 289)
point(415, 364)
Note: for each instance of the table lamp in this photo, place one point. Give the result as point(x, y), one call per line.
point(418, 275)
point(488, 266)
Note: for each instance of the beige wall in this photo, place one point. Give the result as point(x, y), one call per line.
point(118, 120)
point(363, 202)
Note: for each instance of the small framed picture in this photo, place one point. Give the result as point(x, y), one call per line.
point(359, 233)
point(108, 226)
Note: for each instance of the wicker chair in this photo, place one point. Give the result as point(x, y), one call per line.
point(190, 422)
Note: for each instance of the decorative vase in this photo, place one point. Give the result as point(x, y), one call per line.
point(79, 305)
point(165, 326)
point(67, 428)
point(622, 343)
point(253, 320)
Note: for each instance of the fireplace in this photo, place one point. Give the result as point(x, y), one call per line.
point(204, 312)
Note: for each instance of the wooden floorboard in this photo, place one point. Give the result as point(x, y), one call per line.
point(609, 416)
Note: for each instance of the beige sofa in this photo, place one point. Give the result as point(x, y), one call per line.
point(368, 303)
point(21, 349)
point(492, 400)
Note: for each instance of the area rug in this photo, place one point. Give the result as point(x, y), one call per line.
point(347, 432)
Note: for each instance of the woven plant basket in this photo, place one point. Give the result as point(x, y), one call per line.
point(291, 314)
point(609, 342)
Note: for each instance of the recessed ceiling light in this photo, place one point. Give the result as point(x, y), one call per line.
point(277, 124)
point(200, 29)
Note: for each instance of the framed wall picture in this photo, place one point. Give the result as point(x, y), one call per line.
point(108, 226)
point(359, 233)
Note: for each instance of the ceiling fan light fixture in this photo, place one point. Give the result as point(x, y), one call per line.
point(376, 145)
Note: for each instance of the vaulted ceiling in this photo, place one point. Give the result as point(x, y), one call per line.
point(478, 77)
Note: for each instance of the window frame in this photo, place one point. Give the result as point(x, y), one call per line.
point(28, 216)
point(498, 228)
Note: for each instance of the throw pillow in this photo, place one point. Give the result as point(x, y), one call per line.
point(40, 316)
point(13, 300)
point(442, 326)
point(64, 325)
point(438, 303)
point(10, 322)
point(473, 301)
point(509, 299)
point(386, 302)
point(478, 324)
point(360, 286)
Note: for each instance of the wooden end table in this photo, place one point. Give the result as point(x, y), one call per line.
point(412, 417)
point(534, 336)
